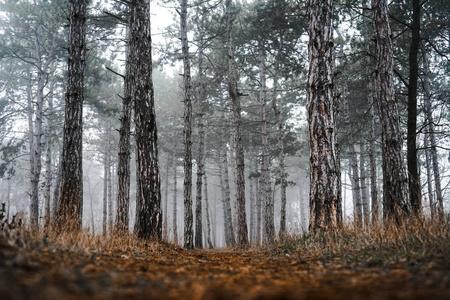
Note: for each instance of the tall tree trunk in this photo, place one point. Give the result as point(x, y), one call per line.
point(324, 160)
point(149, 218)
point(188, 216)
point(242, 233)
point(70, 210)
point(269, 226)
point(430, 132)
point(395, 180)
point(123, 167)
point(201, 149)
point(372, 156)
point(252, 233)
point(105, 191)
point(414, 178)
point(371, 122)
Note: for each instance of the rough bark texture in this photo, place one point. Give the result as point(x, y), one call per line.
point(188, 216)
point(71, 203)
point(414, 178)
point(123, 167)
point(148, 208)
point(242, 235)
point(395, 180)
point(269, 226)
point(324, 161)
point(201, 96)
point(226, 201)
point(372, 156)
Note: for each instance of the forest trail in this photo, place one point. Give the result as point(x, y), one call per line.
point(162, 272)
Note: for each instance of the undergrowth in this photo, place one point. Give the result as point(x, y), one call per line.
point(415, 240)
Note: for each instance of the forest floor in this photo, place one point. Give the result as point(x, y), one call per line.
point(36, 268)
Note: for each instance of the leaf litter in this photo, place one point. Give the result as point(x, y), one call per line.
point(169, 272)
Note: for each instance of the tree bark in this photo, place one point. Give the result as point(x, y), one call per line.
point(242, 233)
point(414, 178)
point(123, 167)
point(395, 180)
point(109, 179)
point(429, 176)
point(105, 191)
point(174, 208)
point(48, 177)
point(325, 191)
point(149, 218)
point(362, 178)
point(226, 201)
point(201, 149)
point(70, 209)
point(188, 216)
point(208, 218)
point(269, 226)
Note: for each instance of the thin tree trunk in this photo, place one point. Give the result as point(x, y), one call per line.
point(174, 203)
point(252, 234)
point(57, 188)
point(70, 209)
point(105, 192)
point(169, 162)
point(200, 153)
point(208, 219)
point(110, 202)
point(242, 236)
point(414, 178)
point(372, 156)
point(48, 178)
point(430, 125)
point(395, 180)
point(188, 216)
point(362, 177)
point(259, 192)
point(429, 176)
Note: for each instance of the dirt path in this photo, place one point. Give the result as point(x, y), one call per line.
point(178, 274)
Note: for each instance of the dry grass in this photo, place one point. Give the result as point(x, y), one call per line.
point(416, 239)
